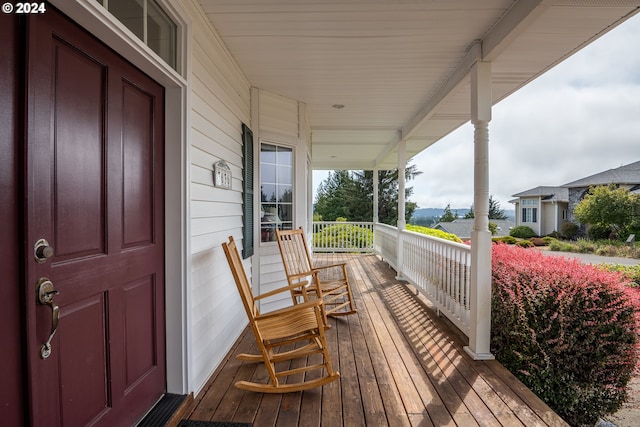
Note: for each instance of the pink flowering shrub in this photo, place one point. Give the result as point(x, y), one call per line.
point(565, 329)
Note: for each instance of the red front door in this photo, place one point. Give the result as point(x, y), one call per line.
point(94, 193)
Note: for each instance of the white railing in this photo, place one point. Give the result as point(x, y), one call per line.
point(442, 269)
point(385, 238)
point(342, 236)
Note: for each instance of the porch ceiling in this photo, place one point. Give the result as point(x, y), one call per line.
point(400, 68)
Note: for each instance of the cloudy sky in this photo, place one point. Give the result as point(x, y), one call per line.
point(580, 118)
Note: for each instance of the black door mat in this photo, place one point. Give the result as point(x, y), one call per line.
point(162, 412)
point(196, 423)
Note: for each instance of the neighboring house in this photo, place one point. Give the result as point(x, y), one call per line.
point(626, 176)
point(137, 136)
point(462, 227)
point(545, 209)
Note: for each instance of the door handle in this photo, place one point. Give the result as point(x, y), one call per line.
point(46, 292)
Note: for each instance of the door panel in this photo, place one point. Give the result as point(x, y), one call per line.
point(137, 118)
point(82, 352)
point(139, 328)
point(94, 183)
point(79, 146)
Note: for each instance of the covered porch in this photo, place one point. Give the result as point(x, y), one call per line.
point(352, 85)
point(400, 364)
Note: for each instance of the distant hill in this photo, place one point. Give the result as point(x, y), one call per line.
point(438, 212)
point(430, 216)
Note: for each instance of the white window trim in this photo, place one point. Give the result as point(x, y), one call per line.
point(293, 186)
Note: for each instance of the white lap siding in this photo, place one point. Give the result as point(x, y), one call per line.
point(219, 101)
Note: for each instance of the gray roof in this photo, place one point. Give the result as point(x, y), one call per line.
point(628, 174)
point(462, 227)
point(547, 193)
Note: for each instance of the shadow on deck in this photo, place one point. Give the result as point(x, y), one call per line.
point(400, 365)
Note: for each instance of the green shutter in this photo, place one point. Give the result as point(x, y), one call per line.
point(247, 190)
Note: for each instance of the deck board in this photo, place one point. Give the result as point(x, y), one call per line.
point(400, 365)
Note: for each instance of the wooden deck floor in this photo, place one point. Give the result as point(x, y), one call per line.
point(400, 365)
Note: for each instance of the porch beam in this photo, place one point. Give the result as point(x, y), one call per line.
point(514, 22)
point(480, 310)
point(512, 25)
point(388, 148)
point(458, 76)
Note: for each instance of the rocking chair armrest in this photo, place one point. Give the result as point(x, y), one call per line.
point(290, 309)
point(324, 267)
point(299, 275)
point(343, 265)
point(288, 288)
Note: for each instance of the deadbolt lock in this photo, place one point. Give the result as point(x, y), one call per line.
point(42, 251)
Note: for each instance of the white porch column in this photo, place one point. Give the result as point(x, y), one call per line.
point(376, 215)
point(480, 336)
point(402, 223)
point(402, 166)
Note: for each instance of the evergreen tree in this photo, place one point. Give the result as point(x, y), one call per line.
point(494, 210)
point(337, 197)
point(350, 195)
point(448, 216)
point(470, 214)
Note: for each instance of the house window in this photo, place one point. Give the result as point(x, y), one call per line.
point(276, 190)
point(529, 214)
point(150, 23)
point(565, 214)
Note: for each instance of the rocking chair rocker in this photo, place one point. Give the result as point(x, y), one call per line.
point(301, 322)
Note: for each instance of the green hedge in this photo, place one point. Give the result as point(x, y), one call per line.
point(343, 236)
point(433, 232)
point(522, 232)
point(510, 240)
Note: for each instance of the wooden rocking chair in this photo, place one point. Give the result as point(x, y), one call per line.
point(299, 269)
point(295, 325)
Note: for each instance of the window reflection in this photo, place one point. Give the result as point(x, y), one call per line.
point(161, 33)
point(268, 173)
point(151, 24)
point(130, 13)
point(268, 193)
point(285, 193)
